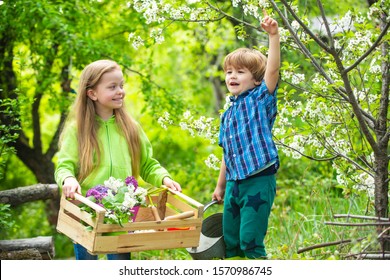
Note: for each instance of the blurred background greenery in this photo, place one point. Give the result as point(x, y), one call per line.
point(45, 44)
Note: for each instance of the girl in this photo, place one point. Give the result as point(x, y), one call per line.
point(101, 140)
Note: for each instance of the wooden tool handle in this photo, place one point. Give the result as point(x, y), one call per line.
point(155, 213)
point(184, 215)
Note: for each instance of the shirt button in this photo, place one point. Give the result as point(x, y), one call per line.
point(230, 136)
point(234, 155)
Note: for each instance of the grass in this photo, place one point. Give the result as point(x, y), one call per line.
point(304, 202)
point(298, 221)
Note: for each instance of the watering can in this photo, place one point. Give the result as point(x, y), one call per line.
point(211, 243)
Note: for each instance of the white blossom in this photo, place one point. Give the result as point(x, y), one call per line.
point(157, 35)
point(213, 162)
point(113, 184)
point(136, 41)
point(298, 78)
point(235, 3)
point(295, 25)
point(129, 201)
point(164, 120)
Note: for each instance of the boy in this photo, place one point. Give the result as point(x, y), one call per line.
point(247, 177)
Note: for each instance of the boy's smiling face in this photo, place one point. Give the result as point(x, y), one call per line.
point(239, 80)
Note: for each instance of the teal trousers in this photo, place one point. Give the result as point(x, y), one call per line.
point(247, 206)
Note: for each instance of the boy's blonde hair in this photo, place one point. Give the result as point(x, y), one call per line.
point(251, 59)
point(87, 125)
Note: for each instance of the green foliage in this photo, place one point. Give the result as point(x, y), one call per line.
point(28, 220)
point(8, 133)
point(175, 68)
point(6, 222)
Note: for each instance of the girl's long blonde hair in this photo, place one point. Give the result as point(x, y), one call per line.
point(87, 125)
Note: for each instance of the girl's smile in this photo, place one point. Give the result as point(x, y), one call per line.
point(108, 94)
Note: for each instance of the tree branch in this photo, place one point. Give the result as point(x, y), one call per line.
point(319, 4)
point(304, 26)
point(357, 224)
point(336, 216)
point(367, 53)
point(337, 154)
point(304, 155)
point(370, 256)
point(327, 244)
point(303, 48)
point(232, 17)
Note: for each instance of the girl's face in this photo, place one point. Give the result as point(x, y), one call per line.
point(239, 80)
point(108, 94)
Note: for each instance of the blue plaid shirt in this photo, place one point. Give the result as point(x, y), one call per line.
point(245, 133)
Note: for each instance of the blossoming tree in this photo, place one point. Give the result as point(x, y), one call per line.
point(334, 110)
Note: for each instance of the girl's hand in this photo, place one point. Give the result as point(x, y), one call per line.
point(168, 182)
point(70, 187)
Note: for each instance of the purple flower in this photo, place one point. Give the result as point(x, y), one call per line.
point(130, 180)
point(118, 208)
point(98, 192)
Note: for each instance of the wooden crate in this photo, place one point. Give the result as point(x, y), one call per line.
point(143, 234)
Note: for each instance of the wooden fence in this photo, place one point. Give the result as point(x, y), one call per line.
point(36, 248)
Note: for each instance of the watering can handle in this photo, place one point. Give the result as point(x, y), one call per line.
point(207, 205)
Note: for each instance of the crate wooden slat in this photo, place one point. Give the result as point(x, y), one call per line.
point(147, 241)
point(143, 234)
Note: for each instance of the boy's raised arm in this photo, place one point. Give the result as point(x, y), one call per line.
point(271, 75)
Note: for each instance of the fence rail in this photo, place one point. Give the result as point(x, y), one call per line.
point(36, 248)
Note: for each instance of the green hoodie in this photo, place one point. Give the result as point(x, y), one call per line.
point(115, 157)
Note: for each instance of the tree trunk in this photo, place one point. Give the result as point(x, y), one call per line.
point(381, 194)
point(28, 248)
point(382, 135)
point(48, 192)
point(28, 254)
point(21, 195)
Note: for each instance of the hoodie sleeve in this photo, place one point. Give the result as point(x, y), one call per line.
point(67, 156)
point(150, 170)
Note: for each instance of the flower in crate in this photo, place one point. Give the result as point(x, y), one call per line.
point(98, 193)
point(119, 198)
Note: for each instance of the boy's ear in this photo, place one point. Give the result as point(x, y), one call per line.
point(91, 94)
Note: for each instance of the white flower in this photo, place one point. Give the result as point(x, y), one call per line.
point(295, 25)
point(187, 114)
point(213, 162)
point(129, 201)
point(298, 78)
point(235, 3)
point(111, 215)
point(113, 184)
point(228, 103)
point(156, 34)
point(136, 41)
point(164, 120)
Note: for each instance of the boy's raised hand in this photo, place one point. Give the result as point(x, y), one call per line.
point(269, 24)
